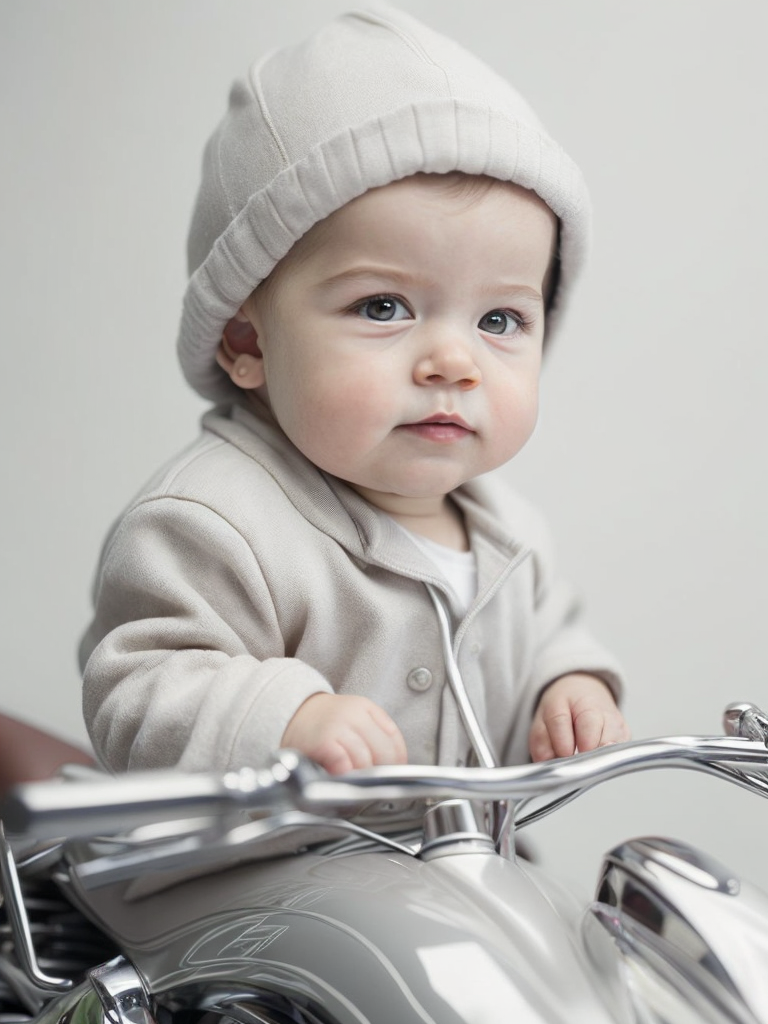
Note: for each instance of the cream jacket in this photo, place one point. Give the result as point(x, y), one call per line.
point(243, 580)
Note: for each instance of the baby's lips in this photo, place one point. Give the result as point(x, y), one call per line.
point(449, 419)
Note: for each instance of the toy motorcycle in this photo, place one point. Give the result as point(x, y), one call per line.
point(160, 906)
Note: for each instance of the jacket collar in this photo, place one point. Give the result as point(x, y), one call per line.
point(336, 509)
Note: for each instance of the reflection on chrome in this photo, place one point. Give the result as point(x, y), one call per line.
point(696, 931)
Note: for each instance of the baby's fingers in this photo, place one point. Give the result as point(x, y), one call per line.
point(552, 733)
point(385, 741)
point(345, 732)
point(615, 730)
point(594, 727)
point(588, 727)
point(362, 743)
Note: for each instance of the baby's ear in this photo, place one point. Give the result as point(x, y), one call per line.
point(239, 354)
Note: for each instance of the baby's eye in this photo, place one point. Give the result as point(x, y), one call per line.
point(500, 321)
point(383, 308)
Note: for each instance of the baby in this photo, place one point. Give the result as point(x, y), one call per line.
point(383, 242)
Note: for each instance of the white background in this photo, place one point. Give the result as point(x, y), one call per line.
point(649, 457)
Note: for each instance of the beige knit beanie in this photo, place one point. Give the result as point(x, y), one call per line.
point(372, 97)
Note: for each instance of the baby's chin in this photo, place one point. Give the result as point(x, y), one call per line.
point(404, 501)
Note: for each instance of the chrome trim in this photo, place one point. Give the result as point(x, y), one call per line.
point(690, 919)
point(746, 720)
point(121, 992)
point(129, 856)
point(466, 711)
point(17, 918)
point(668, 972)
point(454, 826)
point(646, 857)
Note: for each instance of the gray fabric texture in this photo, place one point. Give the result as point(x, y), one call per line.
point(242, 580)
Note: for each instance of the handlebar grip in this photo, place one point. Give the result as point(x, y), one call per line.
point(110, 804)
point(56, 808)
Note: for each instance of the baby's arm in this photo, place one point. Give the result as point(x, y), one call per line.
point(186, 661)
point(341, 732)
point(575, 712)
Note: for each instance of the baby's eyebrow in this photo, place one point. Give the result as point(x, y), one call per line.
point(402, 279)
point(367, 271)
point(512, 289)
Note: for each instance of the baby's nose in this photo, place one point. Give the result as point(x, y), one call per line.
point(448, 361)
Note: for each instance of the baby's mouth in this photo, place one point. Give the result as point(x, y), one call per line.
point(440, 427)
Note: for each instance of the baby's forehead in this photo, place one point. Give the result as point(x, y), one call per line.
point(454, 190)
point(394, 232)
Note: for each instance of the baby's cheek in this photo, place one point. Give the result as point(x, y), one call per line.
point(360, 403)
point(516, 417)
point(331, 430)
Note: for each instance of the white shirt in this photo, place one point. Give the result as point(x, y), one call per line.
point(458, 567)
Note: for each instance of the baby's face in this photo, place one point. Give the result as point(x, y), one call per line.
point(402, 337)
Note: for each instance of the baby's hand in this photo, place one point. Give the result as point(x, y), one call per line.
point(576, 712)
point(341, 732)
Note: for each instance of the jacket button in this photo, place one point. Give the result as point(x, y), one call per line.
point(419, 679)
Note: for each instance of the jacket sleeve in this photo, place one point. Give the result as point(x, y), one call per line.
point(185, 663)
point(560, 641)
point(564, 644)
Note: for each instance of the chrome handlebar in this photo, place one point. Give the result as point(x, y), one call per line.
point(114, 805)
